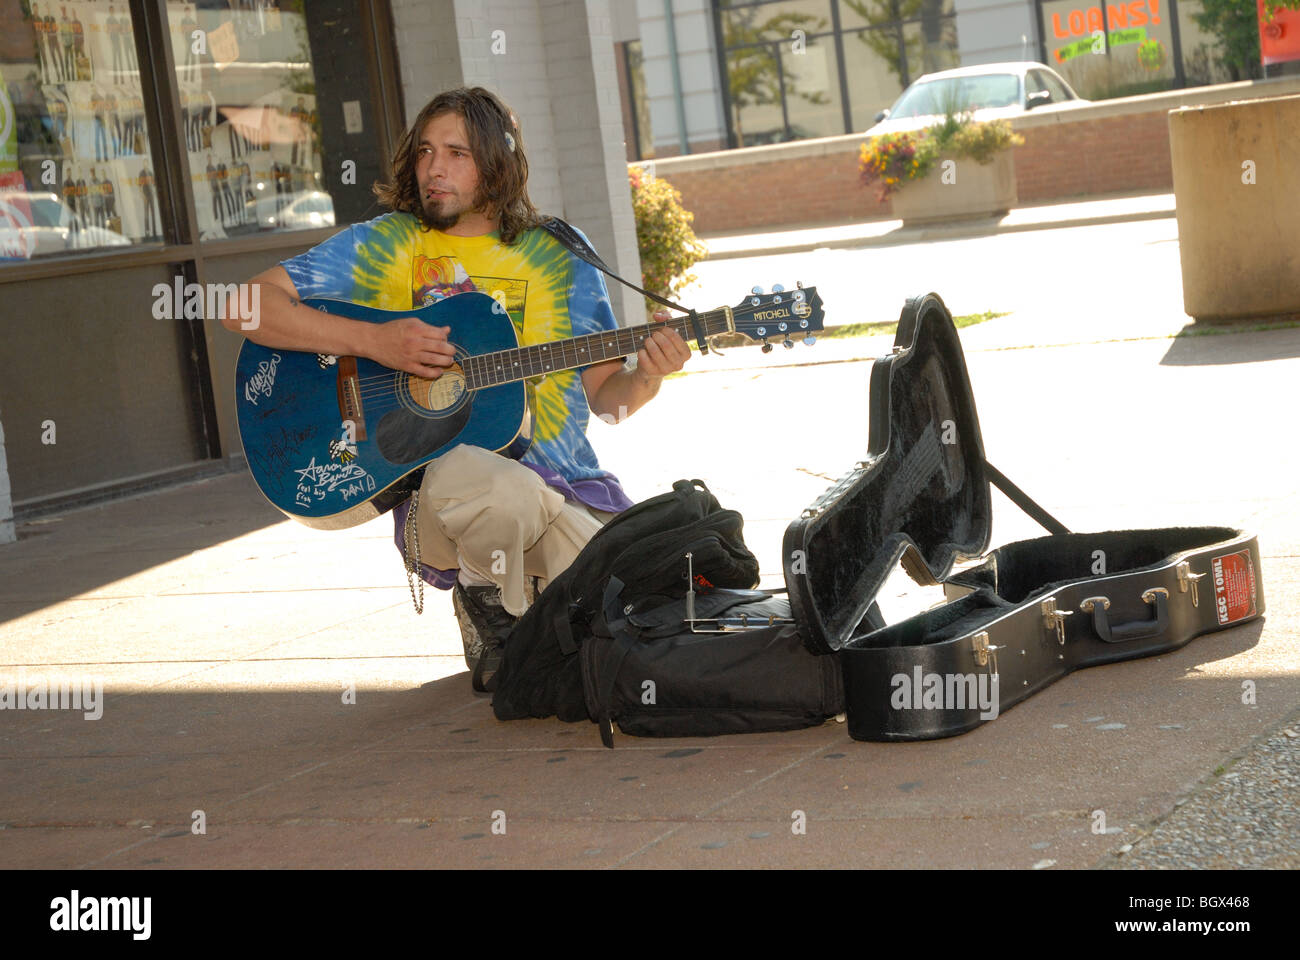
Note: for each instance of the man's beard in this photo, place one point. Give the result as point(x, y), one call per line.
point(435, 214)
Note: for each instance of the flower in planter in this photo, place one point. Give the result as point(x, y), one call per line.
point(890, 160)
point(887, 161)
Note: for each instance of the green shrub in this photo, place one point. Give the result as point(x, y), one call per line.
point(668, 245)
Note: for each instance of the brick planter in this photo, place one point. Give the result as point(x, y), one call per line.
point(977, 191)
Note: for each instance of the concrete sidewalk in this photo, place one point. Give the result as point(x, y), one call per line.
point(273, 683)
point(1117, 208)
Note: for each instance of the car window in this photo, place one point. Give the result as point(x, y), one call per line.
point(958, 93)
point(1034, 84)
point(918, 101)
point(46, 211)
point(1059, 92)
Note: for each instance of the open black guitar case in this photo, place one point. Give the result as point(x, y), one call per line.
point(1029, 612)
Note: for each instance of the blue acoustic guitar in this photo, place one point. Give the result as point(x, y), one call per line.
point(336, 441)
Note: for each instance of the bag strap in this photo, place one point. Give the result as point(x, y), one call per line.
point(615, 622)
point(572, 241)
point(1023, 501)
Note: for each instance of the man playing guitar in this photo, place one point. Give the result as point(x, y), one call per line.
point(461, 220)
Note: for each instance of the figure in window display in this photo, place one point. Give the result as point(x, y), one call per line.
point(111, 219)
point(49, 74)
point(93, 201)
point(150, 222)
point(301, 117)
point(81, 68)
point(114, 119)
point(242, 193)
point(67, 46)
point(211, 174)
point(99, 110)
point(227, 200)
point(113, 27)
point(71, 201)
point(58, 112)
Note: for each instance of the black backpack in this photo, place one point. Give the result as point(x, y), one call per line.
point(643, 548)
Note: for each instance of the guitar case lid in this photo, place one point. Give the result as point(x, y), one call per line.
point(920, 497)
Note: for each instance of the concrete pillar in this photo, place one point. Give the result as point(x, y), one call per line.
point(552, 61)
point(588, 129)
point(1237, 190)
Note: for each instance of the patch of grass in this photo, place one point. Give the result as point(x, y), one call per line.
point(1216, 330)
point(890, 326)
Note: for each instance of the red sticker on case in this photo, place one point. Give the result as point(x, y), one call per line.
point(1234, 587)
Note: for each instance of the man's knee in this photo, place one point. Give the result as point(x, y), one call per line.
point(470, 485)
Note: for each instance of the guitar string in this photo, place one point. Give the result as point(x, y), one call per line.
point(681, 323)
point(561, 351)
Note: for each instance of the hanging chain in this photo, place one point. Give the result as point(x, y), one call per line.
point(411, 545)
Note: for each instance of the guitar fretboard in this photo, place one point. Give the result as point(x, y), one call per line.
point(520, 363)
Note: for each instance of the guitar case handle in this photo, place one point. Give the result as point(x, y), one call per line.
point(1157, 597)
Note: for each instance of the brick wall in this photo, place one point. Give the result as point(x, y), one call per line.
point(1107, 155)
point(1107, 147)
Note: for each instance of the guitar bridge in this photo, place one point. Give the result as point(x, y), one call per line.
point(349, 393)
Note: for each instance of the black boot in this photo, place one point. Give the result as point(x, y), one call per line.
point(484, 626)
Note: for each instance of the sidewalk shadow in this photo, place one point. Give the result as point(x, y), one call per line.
point(67, 554)
point(1194, 346)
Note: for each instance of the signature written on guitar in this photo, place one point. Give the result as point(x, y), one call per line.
point(260, 383)
point(317, 479)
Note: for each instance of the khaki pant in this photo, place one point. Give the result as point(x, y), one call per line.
point(499, 520)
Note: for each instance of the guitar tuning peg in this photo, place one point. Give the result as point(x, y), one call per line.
point(767, 347)
point(757, 291)
point(809, 340)
point(777, 288)
point(798, 284)
point(788, 343)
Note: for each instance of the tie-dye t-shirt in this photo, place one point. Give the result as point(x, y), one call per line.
point(390, 263)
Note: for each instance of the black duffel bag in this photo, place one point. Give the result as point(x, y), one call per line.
point(654, 676)
point(540, 675)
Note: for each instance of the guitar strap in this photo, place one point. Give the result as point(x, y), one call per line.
point(572, 241)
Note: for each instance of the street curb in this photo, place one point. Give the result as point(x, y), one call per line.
point(954, 231)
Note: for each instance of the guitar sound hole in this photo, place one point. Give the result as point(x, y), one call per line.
point(434, 397)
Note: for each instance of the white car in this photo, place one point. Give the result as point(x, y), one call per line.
point(991, 91)
point(300, 211)
point(39, 224)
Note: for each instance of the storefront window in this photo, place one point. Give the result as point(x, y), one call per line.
point(251, 129)
point(1139, 57)
point(784, 75)
point(874, 75)
point(75, 172)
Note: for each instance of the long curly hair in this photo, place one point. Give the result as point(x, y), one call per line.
point(498, 149)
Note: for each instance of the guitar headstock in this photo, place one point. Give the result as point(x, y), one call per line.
point(779, 315)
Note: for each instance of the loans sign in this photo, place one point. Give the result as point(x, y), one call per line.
point(1125, 23)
